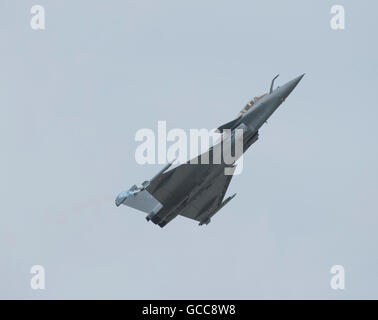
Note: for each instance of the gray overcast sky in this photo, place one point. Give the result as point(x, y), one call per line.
point(73, 96)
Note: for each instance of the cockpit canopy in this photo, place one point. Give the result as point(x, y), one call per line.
point(250, 104)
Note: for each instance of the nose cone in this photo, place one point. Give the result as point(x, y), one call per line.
point(287, 88)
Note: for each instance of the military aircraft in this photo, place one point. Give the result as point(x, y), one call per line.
point(196, 189)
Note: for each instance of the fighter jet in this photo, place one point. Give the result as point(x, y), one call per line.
point(196, 189)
